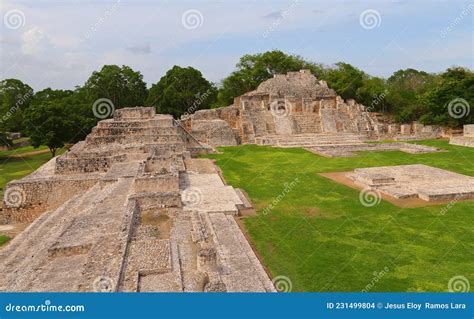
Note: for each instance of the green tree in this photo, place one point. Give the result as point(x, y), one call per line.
point(122, 85)
point(15, 97)
point(345, 79)
point(372, 94)
point(180, 91)
point(405, 89)
point(451, 101)
point(50, 123)
point(253, 69)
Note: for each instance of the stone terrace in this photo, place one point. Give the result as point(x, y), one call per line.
point(128, 209)
point(467, 139)
point(416, 181)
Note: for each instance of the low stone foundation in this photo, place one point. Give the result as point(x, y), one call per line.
point(467, 139)
point(416, 181)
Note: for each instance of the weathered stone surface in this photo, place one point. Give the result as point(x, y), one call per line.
point(416, 181)
point(405, 129)
point(292, 104)
point(348, 150)
point(467, 139)
point(214, 132)
point(469, 130)
point(119, 217)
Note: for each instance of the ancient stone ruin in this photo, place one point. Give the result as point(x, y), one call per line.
point(129, 209)
point(467, 139)
point(298, 110)
point(415, 181)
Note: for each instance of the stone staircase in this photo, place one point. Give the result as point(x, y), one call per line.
point(132, 227)
point(311, 140)
point(306, 123)
point(59, 247)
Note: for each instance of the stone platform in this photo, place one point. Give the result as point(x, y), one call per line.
point(415, 181)
point(467, 139)
point(130, 210)
point(350, 150)
point(339, 144)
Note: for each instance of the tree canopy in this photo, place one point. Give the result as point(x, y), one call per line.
point(345, 79)
point(50, 123)
point(180, 91)
point(55, 117)
point(122, 85)
point(252, 69)
point(15, 97)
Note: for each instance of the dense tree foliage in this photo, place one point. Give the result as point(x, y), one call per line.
point(180, 91)
point(405, 91)
point(122, 85)
point(253, 69)
point(15, 97)
point(345, 79)
point(50, 123)
point(451, 100)
point(55, 117)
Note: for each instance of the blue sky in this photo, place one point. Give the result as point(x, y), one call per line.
point(60, 43)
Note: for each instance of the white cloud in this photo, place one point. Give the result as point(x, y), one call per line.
point(32, 40)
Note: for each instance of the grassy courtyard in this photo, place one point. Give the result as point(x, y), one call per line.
point(4, 239)
point(17, 163)
point(320, 236)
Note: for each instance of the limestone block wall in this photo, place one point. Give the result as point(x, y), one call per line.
point(52, 192)
point(467, 139)
point(67, 165)
point(134, 113)
point(157, 183)
point(469, 130)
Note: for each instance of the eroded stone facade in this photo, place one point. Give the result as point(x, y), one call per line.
point(296, 103)
point(415, 181)
point(467, 139)
point(129, 209)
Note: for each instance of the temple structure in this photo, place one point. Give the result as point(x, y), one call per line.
point(129, 209)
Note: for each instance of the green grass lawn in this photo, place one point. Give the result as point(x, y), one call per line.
point(321, 237)
point(18, 167)
point(4, 239)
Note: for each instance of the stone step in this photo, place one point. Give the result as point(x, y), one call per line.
point(242, 269)
point(311, 140)
point(113, 131)
point(127, 139)
point(160, 122)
